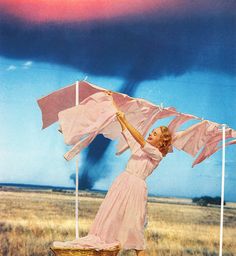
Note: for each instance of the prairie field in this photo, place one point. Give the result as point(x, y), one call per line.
point(30, 220)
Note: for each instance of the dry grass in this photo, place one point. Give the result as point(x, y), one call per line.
point(31, 221)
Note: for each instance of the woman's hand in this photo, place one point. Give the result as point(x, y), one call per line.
point(120, 117)
point(108, 92)
point(120, 114)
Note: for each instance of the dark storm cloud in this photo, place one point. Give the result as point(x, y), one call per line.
point(133, 49)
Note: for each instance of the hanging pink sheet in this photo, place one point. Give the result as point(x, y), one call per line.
point(193, 138)
point(97, 115)
point(211, 145)
point(64, 98)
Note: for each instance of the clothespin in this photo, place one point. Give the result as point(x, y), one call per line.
point(225, 125)
point(200, 118)
point(221, 127)
point(161, 106)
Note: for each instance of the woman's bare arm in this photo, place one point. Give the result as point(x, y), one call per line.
point(123, 127)
point(135, 133)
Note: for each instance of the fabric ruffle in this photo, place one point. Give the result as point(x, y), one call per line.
point(89, 242)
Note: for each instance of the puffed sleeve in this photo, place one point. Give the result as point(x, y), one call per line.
point(133, 144)
point(152, 151)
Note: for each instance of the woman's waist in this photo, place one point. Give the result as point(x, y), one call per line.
point(138, 175)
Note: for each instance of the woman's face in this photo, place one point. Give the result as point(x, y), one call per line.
point(154, 136)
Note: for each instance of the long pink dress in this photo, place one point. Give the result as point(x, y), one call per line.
point(122, 216)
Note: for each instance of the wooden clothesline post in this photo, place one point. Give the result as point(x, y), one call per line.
point(77, 173)
point(222, 190)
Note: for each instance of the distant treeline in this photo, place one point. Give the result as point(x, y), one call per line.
point(205, 200)
point(62, 190)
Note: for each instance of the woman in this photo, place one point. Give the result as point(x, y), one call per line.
point(121, 217)
point(145, 157)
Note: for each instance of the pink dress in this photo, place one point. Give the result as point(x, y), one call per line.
point(122, 215)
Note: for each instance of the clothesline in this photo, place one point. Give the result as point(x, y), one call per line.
point(161, 106)
point(98, 116)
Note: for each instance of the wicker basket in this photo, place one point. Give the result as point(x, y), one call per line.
point(59, 251)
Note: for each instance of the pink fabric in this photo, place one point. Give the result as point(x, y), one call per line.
point(195, 137)
point(234, 133)
point(88, 242)
point(211, 151)
point(228, 143)
point(142, 114)
point(62, 99)
point(97, 115)
point(115, 222)
point(180, 119)
point(112, 128)
point(51, 104)
point(88, 117)
point(79, 146)
point(211, 145)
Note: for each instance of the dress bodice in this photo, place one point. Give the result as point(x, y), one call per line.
point(143, 160)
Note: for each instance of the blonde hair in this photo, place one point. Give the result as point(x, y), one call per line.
point(165, 140)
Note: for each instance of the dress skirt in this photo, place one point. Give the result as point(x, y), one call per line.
point(121, 217)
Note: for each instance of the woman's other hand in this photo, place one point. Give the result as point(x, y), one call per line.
point(120, 114)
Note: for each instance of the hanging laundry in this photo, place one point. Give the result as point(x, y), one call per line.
point(80, 145)
point(97, 115)
point(64, 98)
point(214, 150)
point(180, 119)
point(87, 117)
point(211, 146)
point(194, 137)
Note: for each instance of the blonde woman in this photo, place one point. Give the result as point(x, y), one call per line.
point(122, 214)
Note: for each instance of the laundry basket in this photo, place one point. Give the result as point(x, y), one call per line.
point(63, 251)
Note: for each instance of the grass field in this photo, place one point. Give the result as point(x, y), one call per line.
point(31, 220)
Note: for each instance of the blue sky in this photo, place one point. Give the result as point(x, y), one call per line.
point(181, 53)
point(35, 156)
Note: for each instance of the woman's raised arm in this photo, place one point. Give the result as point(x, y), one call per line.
point(125, 124)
